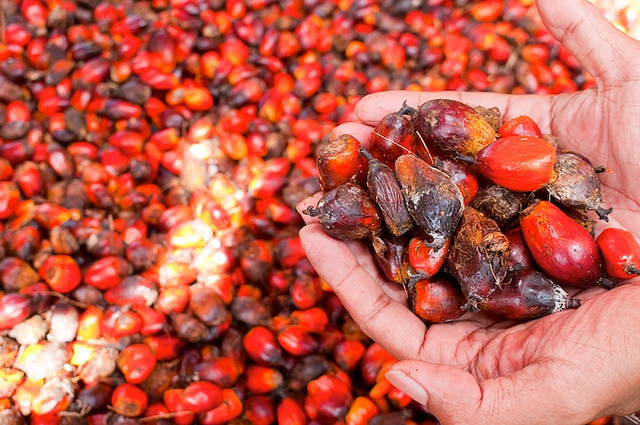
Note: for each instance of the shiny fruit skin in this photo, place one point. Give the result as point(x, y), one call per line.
point(620, 252)
point(560, 246)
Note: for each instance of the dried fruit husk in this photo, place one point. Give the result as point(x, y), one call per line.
point(437, 299)
point(478, 257)
point(452, 127)
point(528, 295)
point(491, 115)
point(433, 200)
point(347, 213)
point(575, 183)
point(499, 204)
point(383, 188)
point(391, 254)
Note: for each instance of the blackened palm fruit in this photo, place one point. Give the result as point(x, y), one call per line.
point(347, 213)
point(436, 300)
point(499, 203)
point(340, 161)
point(433, 200)
point(393, 136)
point(575, 184)
point(478, 257)
point(529, 295)
point(383, 188)
point(452, 127)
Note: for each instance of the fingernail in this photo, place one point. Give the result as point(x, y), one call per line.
point(407, 385)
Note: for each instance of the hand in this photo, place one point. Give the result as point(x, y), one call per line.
point(566, 368)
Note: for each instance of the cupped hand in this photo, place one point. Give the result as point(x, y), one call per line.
point(565, 368)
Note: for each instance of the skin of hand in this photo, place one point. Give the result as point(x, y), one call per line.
point(566, 368)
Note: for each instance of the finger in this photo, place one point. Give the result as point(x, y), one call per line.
point(454, 396)
point(360, 131)
point(373, 107)
point(579, 26)
point(383, 319)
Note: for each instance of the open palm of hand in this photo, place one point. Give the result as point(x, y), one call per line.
point(568, 367)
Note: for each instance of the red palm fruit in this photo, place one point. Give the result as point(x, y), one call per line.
point(478, 256)
point(423, 258)
point(436, 300)
point(262, 347)
point(575, 184)
point(153, 321)
point(165, 347)
point(134, 291)
point(262, 380)
point(452, 127)
point(329, 396)
point(518, 163)
point(29, 180)
point(305, 292)
point(14, 308)
point(520, 257)
point(393, 136)
point(347, 354)
point(173, 299)
point(560, 246)
point(620, 252)
point(222, 371)
point(520, 126)
point(340, 161)
point(201, 396)
point(384, 189)
point(259, 410)
point(61, 273)
point(54, 396)
point(230, 409)
point(16, 274)
point(136, 362)
point(297, 341)
point(528, 295)
point(118, 322)
point(312, 319)
point(361, 411)
point(433, 200)
point(9, 198)
point(289, 412)
point(129, 400)
point(90, 324)
point(173, 400)
point(49, 215)
point(107, 272)
point(461, 175)
point(347, 212)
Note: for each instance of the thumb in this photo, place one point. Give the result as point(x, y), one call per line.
point(603, 50)
point(454, 396)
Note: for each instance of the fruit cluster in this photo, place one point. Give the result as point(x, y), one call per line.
point(473, 212)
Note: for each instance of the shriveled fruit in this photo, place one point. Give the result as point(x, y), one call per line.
point(560, 246)
point(519, 163)
point(383, 188)
point(575, 184)
point(499, 203)
point(436, 299)
point(452, 127)
point(433, 200)
point(478, 256)
point(347, 212)
point(528, 295)
point(391, 256)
